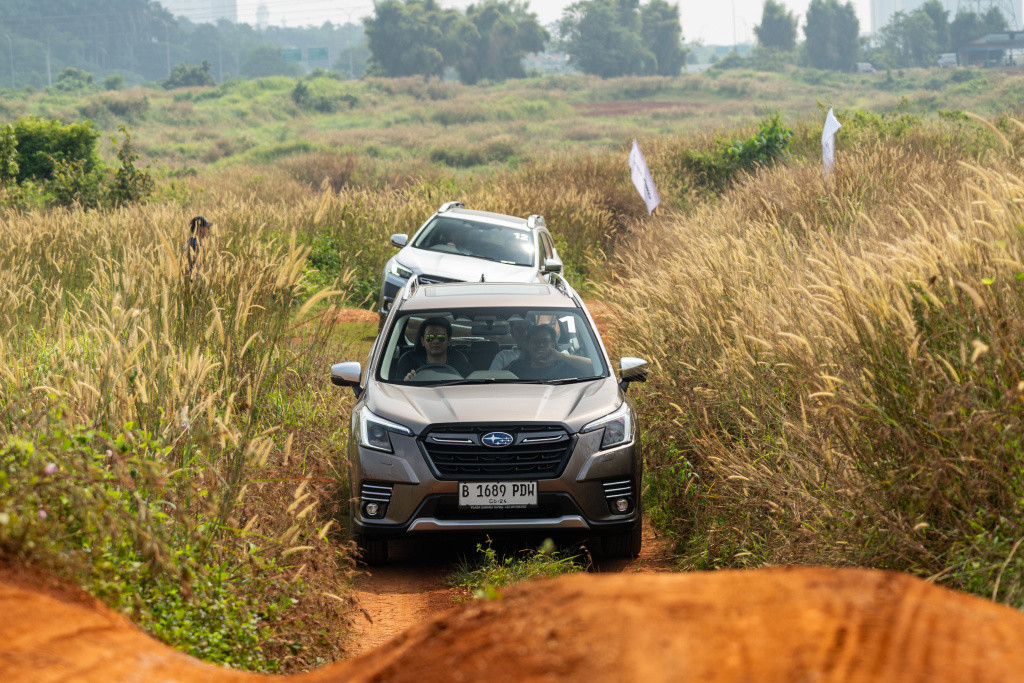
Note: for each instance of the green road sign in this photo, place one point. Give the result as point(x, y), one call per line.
point(291, 55)
point(317, 54)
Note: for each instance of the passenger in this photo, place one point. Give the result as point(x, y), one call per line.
point(519, 328)
point(542, 360)
point(457, 240)
point(581, 364)
point(432, 348)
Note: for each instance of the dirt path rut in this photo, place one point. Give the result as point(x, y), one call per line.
point(410, 587)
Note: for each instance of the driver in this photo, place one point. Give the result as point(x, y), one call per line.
point(433, 342)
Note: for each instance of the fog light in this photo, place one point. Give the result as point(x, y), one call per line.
point(371, 509)
point(622, 504)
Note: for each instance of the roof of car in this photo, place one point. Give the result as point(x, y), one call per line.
point(489, 217)
point(487, 294)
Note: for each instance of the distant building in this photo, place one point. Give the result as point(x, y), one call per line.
point(262, 17)
point(203, 11)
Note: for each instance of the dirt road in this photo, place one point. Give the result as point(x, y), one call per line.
point(410, 588)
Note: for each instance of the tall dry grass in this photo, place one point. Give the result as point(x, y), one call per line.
point(166, 436)
point(839, 365)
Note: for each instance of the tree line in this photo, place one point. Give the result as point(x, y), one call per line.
point(137, 41)
point(489, 40)
point(140, 41)
point(832, 34)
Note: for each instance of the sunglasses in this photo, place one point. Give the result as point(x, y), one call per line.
point(434, 337)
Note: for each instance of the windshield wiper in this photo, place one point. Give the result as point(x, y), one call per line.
point(458, 382)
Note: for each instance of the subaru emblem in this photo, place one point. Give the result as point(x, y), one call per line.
point(497, 439)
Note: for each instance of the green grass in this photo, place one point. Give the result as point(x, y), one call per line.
point(492, 570)
point(403, 118)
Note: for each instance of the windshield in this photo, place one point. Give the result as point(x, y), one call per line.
point(493, 345)
point(499, 243)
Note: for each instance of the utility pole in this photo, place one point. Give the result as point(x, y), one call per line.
point(10, 47)
point(49, 75)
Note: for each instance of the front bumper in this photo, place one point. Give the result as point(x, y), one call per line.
point(420, 502)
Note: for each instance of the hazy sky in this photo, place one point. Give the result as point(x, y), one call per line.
point(709, 21)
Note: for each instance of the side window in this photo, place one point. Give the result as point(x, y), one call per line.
point(551, 245)
point(546, 250)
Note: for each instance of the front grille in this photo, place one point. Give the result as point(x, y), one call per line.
point(536, 452)
point(436, 279)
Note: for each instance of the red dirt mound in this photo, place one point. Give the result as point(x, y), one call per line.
point(353, 315)
point(790, 624)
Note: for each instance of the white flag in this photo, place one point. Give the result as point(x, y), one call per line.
point(828, 140)
point(642, 178)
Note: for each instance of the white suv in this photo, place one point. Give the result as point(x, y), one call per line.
point(460, 245)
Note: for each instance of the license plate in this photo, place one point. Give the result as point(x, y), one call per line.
point(498, 494)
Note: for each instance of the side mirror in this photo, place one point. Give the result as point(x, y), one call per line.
point(347, 375)
point(552, 265)
point(399, 239)
point(632, 370)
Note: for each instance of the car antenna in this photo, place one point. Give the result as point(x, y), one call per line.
point(482, 279)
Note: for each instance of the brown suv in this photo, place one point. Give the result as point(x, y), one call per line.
point(487, 407)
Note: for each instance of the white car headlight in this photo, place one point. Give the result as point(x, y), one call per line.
point(618, 427)
point(374, 431)
point(397, 269)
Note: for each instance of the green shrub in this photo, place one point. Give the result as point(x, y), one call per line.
point(304, 98)
point(458, 157)
point(189, 75)
point(113, 82)
point(731, 61)
point(131, 184)
point(72, 183)
point(44, 143)
point(8, 155)
point(73, 80)
point(128, 106)
point(718, 169)
point(962, 75)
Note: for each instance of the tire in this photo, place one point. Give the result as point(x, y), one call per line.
point(372, 551)
point(626, 545)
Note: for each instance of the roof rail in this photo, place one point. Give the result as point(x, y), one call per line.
point(409, 287)
point(563, 286)
point(448, 206)
point(536, 221)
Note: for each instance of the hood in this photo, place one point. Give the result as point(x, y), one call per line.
point(465, 268)
point(419, 407)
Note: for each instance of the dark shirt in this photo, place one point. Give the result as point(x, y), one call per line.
point(191, 251)
point(557, 370)
point(414, 359)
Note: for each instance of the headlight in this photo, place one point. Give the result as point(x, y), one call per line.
point(618, 427)
point(398, 270)
point(374, 431)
